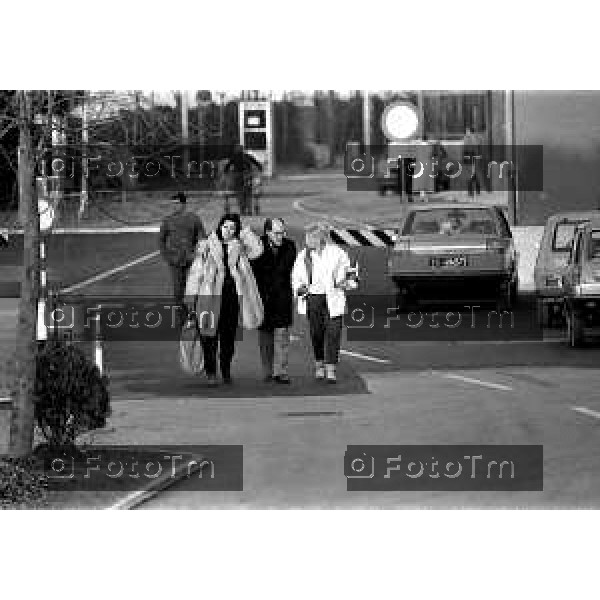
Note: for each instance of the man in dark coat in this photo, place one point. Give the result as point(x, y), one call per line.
point(273, 271)
point(179, 235)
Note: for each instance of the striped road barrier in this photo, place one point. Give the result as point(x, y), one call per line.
point(363, 237)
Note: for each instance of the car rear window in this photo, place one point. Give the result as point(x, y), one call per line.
point(563, 236)
point(451, 221)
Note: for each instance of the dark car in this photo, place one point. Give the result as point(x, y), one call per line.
point(454, 252)
point(581, 284)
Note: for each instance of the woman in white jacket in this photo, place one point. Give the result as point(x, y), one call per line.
point(319, 283)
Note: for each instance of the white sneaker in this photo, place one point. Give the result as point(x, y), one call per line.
point(320, 371)
point(330, 370)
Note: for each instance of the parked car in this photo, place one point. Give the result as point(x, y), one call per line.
point(552, 259)
point(581, 284)
point(454, 252)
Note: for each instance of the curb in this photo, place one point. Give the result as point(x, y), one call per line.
point(153, 488)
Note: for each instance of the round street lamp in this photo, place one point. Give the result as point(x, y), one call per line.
point(400, 121)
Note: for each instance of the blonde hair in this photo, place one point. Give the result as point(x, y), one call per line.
point(320, 229)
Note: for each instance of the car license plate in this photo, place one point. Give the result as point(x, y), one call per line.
point(449, 261)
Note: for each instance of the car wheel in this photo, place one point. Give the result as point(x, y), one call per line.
point(575, 334)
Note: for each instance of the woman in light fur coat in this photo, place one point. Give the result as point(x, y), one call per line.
point(223, 290)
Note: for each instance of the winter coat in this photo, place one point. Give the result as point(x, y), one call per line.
point(179, 235)
point(207, 274)
point(273, 273)
point(338, 262)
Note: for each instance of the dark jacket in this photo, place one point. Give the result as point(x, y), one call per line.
point(179, 235)
point(242, 162)
point(273, 274)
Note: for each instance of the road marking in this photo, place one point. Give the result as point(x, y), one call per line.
point(586, 411)
point(319, 413)
point(423, 343)
point(110, 272)
point(365, 357)
point(488, 384)
point(132, 499)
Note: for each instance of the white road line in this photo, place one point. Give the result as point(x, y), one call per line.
point(488, 384)
point(110, 272)
point(124, 502)
point(365, 357)
point(586, 411)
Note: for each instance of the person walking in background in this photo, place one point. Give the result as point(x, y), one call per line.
point(471, 150)
point(242, 165)
point(179, 236)
point(319, 282)
point(221, 277)
point(273, 272)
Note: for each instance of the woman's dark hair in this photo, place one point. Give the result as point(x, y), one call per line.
point(234, 218)
point(269, 223)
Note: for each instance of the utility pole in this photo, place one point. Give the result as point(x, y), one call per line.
point(84, 160)
point(330, 125)
point(22, 420)
point(366, 119)
point(509, 122)
point(184, 130)
point(221, 115)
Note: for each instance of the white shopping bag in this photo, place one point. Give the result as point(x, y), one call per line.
point(191, 356)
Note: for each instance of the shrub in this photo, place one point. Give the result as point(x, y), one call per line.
point(23, 483)
point(71, 395)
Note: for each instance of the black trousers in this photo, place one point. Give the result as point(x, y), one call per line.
point(179, 275)
point(325, 331)
point(224, 340)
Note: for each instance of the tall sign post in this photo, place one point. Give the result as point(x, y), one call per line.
point(256, 132)
point(400, 123)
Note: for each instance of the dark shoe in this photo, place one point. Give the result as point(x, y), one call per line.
point(212, 380)
point(227, 379)
point(282, 379)
point(268, 378)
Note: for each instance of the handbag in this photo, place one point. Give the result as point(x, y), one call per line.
point(191, 355)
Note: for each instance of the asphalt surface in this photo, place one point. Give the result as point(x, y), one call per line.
point(417, 387)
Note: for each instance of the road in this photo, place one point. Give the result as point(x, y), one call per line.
point(429, 390)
